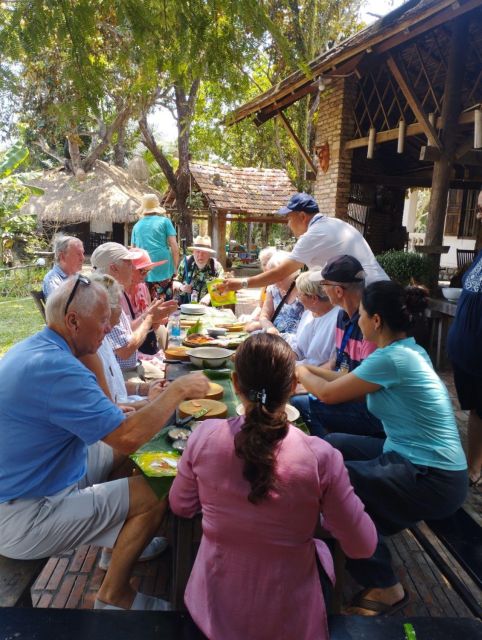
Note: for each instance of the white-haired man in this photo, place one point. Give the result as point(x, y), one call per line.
point(68, 260)
point(54, 461)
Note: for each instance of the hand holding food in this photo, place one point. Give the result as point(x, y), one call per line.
point(193, 385)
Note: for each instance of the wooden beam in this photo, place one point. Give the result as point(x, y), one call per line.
point(261, 219)
point(414, 103)
point(297, 141)
point(412, 130)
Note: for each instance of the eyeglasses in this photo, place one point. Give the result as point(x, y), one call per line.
point(327, 284)
point(80, 278)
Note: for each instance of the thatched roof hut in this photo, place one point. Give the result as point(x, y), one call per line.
point(107, 194)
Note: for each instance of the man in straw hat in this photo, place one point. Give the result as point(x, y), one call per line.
point(195, 271)
point(156, 234)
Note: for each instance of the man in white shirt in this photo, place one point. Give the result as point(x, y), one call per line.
point(319, 239)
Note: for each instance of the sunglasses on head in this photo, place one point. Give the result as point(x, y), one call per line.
point(80, 278)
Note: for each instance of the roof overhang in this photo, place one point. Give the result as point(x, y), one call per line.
point(399, 26)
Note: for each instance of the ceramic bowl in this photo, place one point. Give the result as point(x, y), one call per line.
point(216, 332)
point(451, 293)
point(209, 357)
point(193, 309)
point(292, 412)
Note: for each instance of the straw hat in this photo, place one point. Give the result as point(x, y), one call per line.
point(145, 262)
point(202, 243)
point(150, 204)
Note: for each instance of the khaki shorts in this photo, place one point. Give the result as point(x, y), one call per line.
point(90, 512)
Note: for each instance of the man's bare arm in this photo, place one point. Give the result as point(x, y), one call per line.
point(139, 426)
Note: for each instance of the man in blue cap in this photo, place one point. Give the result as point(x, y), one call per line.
point(320, 238)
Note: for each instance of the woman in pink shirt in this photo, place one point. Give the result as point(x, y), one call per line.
point(261, 485)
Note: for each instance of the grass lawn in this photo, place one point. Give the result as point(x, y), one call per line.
point(19, 318)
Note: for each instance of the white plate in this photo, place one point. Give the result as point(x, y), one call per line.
point(193, 309)
point(292, 412)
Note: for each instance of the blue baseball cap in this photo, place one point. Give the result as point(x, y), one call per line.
point(300, 202)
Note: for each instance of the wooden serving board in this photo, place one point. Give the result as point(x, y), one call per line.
point(216, 392)
point(215, 408)
point(176, 353)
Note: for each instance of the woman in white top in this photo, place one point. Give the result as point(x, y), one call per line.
point(314, 339)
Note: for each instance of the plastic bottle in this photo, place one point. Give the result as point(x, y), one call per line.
point(194, 296)
point(175, 328)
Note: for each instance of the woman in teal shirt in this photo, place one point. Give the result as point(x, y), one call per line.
point(419, 472)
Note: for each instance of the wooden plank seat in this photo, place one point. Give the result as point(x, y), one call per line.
point(80, 624)
point(16, 579)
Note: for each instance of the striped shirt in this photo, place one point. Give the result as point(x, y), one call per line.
point(357, 348)
point(120, 337)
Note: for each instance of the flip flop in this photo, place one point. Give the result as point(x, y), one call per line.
point(141, 602)
point(380, 608)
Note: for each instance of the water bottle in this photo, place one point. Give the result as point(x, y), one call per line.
point(194, 296)
point(175, 328)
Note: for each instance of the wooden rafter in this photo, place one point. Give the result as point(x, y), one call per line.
point(297, 141)
point(407, 89)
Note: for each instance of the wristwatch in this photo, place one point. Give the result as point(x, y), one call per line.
point(244, 283)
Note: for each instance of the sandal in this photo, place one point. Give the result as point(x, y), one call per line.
point(380, 608)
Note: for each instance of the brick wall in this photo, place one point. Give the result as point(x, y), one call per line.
point(335, 126)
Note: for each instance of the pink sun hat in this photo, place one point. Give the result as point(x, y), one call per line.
point(144, 261)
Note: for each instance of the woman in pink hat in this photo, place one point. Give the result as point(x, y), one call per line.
point(139, 299)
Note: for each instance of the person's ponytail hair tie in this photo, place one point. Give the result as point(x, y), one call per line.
point(257, 396)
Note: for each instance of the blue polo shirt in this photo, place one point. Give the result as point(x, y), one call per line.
point(51, 410)
point(53, 279)
point(413, 405)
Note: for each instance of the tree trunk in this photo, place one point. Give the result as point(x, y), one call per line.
point(442, 168)
point(185, 111)
point(74, 152)
point(119, 147)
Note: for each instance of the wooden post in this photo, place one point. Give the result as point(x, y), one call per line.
point(402, 128)
point(371, 142)
point(442, 168)
point(478, 129)
point(219, 236)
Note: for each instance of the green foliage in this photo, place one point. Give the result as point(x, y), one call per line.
point(14, 193)
point(423, 202)
point(406, 267)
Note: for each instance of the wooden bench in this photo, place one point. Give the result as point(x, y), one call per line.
point(78, 624)
point(16, 579)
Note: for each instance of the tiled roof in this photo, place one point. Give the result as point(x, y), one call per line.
point(242, 189)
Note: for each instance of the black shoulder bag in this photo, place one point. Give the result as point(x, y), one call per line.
point(283, 300)
point(150, 346)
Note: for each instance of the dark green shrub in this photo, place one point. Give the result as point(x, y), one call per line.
point(406, 267)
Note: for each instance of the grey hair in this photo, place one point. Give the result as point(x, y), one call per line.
point(110, 284)
point(61, 243)
point(266, 254)
point(277, 258)
point(85, 299)
point(308, 287)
